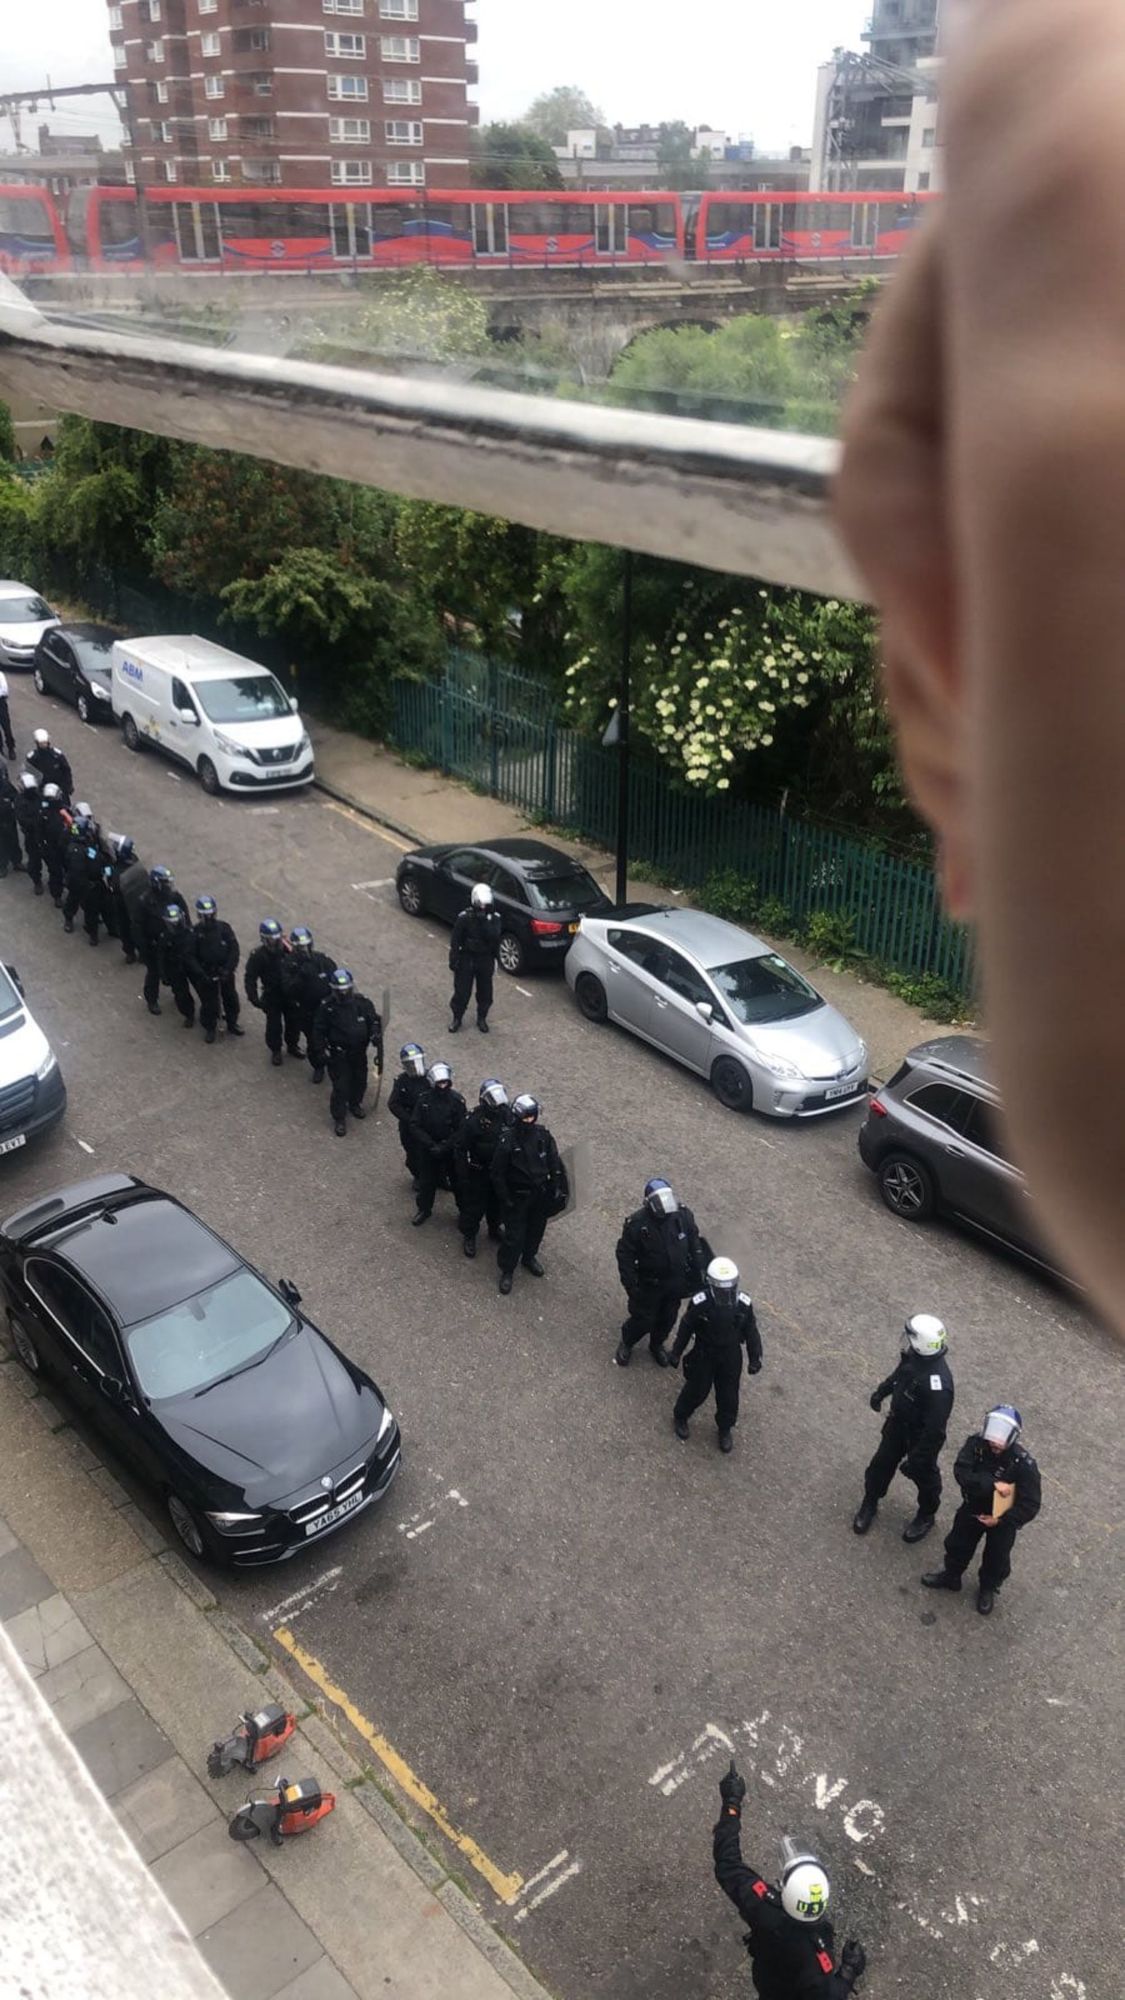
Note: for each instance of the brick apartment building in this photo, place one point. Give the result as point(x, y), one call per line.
point(296, 93)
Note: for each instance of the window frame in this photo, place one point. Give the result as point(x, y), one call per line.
point(389, 48)
point(341, 178)
point(334, 49)
point(409, 86)
point(413, 128)
point(59, 1271)
point(339, 91)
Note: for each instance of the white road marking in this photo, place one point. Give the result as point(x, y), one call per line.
point(85, 1145)
point(384, 882)
point(525, 991)
point(286, 1608)
point(265, 809)
point(1014, 1954)
point(556, 1861)
point(551, 1889)
point(422, 1529)
point(369, 826)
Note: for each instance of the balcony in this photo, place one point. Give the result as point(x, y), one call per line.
point(472, 72)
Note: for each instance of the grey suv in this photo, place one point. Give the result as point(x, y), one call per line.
point(932, 1136)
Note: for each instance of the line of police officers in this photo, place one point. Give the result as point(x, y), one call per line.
point(504, 1170)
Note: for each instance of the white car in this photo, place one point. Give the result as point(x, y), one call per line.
point(24, 617)
point(724, 1004)
point(229, 719)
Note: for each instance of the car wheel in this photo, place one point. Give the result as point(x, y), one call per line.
point(83, 708)
point(907, 1187)
point(731, 1084)
point(130, 734)
point(25, 1346)
point(40, 683)
point(590, 995)
point(511, 955)
point(188, 1527)
point(208, 777)
point(410, 895)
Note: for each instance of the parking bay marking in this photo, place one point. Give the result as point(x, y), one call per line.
point(369, 826)
point(302, 1600)
point(506, 1887)
point(550, 1888)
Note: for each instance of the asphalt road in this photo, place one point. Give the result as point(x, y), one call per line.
point(562, 1619)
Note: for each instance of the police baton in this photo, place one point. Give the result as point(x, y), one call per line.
point(384, 1018)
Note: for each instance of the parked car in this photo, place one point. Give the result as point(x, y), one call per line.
point(933, 1139)
point(227, 718)
point(257, 1432)
point(24, 617)
point(541, 893)
point(74, 661)
point(32, 1092)
point(724, 1004)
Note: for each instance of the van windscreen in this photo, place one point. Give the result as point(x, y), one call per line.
point(244, 698)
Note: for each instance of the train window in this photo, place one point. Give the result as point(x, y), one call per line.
point(614, 224)
point(728, 218)
point(275, 221)
point(390, 224)
point(117, 221)
point(767, 225)
point(27, 223)
point(553, 218)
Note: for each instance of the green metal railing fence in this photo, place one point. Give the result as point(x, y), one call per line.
point(500, 731)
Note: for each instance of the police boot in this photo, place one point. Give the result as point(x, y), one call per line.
point(68, 924)
point(680, 1426)
point(234, 1029)
point(917, 1529)
point(317, 1076)
point(864, 1515)
point(340, 1129)
point(469, 1245)
point(533, 1265)
point(209, 1036)
point(726, 1442)
point(455, 1026)
point(661, 1357)
point(153, 1006)
point(940, 1579)
point(357, 1111)
point(482, 1024)
point(986, 1599)
point(505, 1284)
point(623, 1355)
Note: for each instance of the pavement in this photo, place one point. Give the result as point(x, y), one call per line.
point(423, 807)
point(545, 1644)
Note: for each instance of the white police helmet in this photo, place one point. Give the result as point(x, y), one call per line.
point(804, 1885)
point(481, 898)
point(924, 1334)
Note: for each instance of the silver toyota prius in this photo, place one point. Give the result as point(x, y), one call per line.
point(722, 1003)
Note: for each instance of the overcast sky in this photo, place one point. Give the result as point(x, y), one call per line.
point(744, 66)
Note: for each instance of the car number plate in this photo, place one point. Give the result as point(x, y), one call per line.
point(841, 1090)
point(10, 1145)
point(572, 928)
point(335, 1514)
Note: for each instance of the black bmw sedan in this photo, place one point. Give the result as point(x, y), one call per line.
point(257, 1433)
point(74, 661)
point(539, 891)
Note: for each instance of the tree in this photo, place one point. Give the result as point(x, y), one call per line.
point(678, 165)
point(513, 156)
point(7, 436)
point(491, 576)
point(410, 316)
point(225, 517)
point(562, 110)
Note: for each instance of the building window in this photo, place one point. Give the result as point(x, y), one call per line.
point(115, 20)
point(118, 56)
point(406, 173)
point(168, 170)
point(352, 47)
point(154, 52)
point(263, 84)
point(257, 128)
point(350, 131)
point(400, 48)
point(152, 12)
point(348, 86)
point(923, 183)
point(266, 172)
point(402, 90)
point(351, 173)
point(220, 170)
point(216, 128)
point(398, 10)
point(258, 38)
point(161, 89)
point(210, 45)
point(929, 136)
point(403, 131)
point(343, 6)
point(130, 173)
point(213, 86)
point(164, 131)
point(208, 6)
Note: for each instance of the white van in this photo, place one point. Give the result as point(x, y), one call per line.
point(32, 1092)
point(228, 718)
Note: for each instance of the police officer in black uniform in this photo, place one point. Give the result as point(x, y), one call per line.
point(56, 826)
point(121, 871)
point(50, 765)
point(212, 962)
point(438, 1117)
point(405, 1092)
point(84, 864)
point(531, 1185)
point(175, 961)
point(661, 1257)
point(264, 980)
point(791, 1943)
point(472, 957)
point(993, 1471)
point(149, 928)
point(304, 984)
point(29, 820)
point(11, 853)
point(473, 1154)
point(347, 1024)
point(719, 1322)
point(921, 1393)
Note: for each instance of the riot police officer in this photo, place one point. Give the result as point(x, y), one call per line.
point(84, 864)
point(264, 980)
point(921, 1393)
point(406, 1090)
point(120, 872)
point(438, 1117)
point(719, 1322)
point(791, 1943)
point(1000, 1494)
point(347, 1024)
point(175, 961)
point(473, 1153)
point(661, 1257)
point(531, 1186)
point(56, 826)
point(150, 928)
point(304, 984)
point(50, 765)
point(29, 820)
point(212, 962)
point(11, 854)
point(472, 957)
point(6, 719)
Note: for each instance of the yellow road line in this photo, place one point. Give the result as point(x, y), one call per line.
point(369, 826)
point(507, 1887)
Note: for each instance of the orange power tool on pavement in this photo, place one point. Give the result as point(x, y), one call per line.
point(295, 1807)
point(259, 1736)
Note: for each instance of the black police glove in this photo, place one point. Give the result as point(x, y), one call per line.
point(876, 1399)
point(753, 1367)
point(732, 1788)
point(853, 1961)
